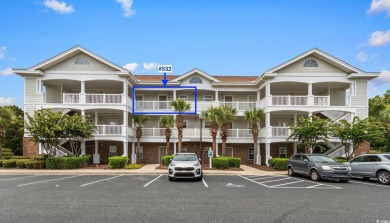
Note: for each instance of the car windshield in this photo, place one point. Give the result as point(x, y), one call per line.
point(321, 159)
point(185, 157)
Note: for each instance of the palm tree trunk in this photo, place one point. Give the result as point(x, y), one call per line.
point(223, 147)
point(138, 148)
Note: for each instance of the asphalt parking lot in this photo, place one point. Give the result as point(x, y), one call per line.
point(218, 198)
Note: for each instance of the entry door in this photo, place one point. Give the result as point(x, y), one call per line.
point(229, 100)
point(162, 101)
point(229, 151)
point(162, 151)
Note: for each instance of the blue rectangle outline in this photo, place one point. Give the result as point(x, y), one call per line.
point(163, 113)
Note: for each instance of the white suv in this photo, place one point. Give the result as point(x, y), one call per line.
point(185, 165)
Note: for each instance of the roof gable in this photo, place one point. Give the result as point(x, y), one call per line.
point(196, 71)
point(315, 53)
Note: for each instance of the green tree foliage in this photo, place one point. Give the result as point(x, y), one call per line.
point(228, 114)
point(212, 115)
point(13, 137)
point(379, 108)
point(378, 103)
point(78, 129)
point(139, 121)
point(308, 131)
point(254, 116)
point(357, 132)
point(7, 118)
point(167, 122)
point(180, 106)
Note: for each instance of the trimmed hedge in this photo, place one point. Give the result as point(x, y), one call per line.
point(66, 162)
point(133, 166)
point(29, 164)
point(42, 157)
point(220, 163)
point(1, 163)
point(341, 159)
point(5, 150)
point(166, 160)
point(9, 163)
point(38, 164)
point(234, 162)
point(116, 162)
point(278, 163)
point(20, 163)
point(20, 158)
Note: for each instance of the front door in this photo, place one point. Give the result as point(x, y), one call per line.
point(162, 151)
point(162, 101)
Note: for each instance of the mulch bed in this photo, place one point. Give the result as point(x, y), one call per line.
point(102, 167)
point(204, 166)
point(262, 167)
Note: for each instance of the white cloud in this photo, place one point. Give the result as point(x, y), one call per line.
point(379, 6)
point(126, 6)
point(57, 6)
point(3, 49)
point(379, 38)
point(150, 66)
point(384, 78)
point(6, 72)
point(362, 56)
point(131, 67)
point(7, 101)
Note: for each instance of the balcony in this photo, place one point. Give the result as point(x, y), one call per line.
point(77, 98)
point(277, 132)
point(291, 100)
point(109, 130)
point(195, 133)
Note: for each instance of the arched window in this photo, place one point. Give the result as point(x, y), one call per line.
point(195, 80)
point(310, 63)
point(81, 60)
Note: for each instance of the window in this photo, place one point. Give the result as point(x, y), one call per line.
point(358, 159)
point(251, 153)
point(113, 151)
point(81, 61)
point(282, 152)
point(184, 97)
point(207, 98)
point(310, 63)
point(185, 124)
point(195, 80)
point(138, 101)
point(207, 125)
point(372, 158)
point(184, 149)
point(387, 156)
point(252, 101)
point(296, 157)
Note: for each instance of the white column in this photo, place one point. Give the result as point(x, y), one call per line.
point(133, 155)
point(310, 114)
point(258, 156)
point(310, 89)
point(268, 129)
point(96, 155)
point(125, 92)
point(96, 118)
point(83, 147)
point(268, 89)
point(83, 112)
point(295, 118)
point(40, 148)
point(267, 153)
point(295, 147)
point(82, 93)
point(125, 149)
point(174, 148)
point(174, 94)
point(216, 96)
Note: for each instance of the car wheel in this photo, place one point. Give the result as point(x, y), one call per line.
point(384, 177)
point(170, 178)
point(344, 181)
point(314, 175)
point(290, 171)
point(366, 178)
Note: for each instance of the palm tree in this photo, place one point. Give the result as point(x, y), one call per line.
point(228, 114)
point(139, 120)
point(212, 114)
point(180, 106)
point(254, 116)
point(6, 119)
point(167, 122)
point(384, 115)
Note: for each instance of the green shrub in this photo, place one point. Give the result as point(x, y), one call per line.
point(38, 164)
point(87, 159)
point(115, 162)
point(29, 164)
point(42, 157)
point(234, 162)
point(133, 166)
point(67, 162)
point(4, 150)
point(166, 160)
point(20, 158)
point(20, 163)
point(9, 163)
point(220, 163)
point(1, 163)
point(341, 159)
point(278, 163)
point(51, 163)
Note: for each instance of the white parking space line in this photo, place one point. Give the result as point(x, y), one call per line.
point(358, 182)
point(43, 181)
point(263, 178)
point(204, 182)
point(152, 181)
point(253, 181)
point(287, 183)
point(19, 178)
point(276, 180)
point(100, 180)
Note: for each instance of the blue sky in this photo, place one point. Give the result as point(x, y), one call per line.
point(221, 37)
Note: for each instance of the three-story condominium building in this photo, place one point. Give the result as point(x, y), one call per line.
point(79, 81)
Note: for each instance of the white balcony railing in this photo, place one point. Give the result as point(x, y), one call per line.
point(240, 133)
point(289, 100)
point(280, 131)
point(103, 98)
point(240, 105)
point(69, 98)
point(152, 105)
point(195, 133)
point(108, 130)
point(321, 100)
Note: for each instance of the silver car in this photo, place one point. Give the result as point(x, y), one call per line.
point(372, 166)
point(185, 165)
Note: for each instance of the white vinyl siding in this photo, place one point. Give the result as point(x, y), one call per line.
point(362, 113)
point(298, 67)
point(68, 65)
point(31, 95)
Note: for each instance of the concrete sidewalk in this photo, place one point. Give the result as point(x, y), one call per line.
point(149, 169)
